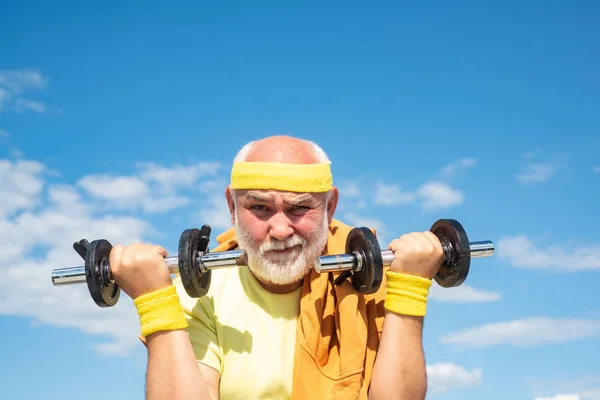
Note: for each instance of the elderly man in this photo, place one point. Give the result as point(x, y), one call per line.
point(278, 329)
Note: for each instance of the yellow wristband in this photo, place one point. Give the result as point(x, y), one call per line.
point(406, 294)
point(160, 311)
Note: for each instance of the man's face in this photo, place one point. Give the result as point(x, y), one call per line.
point(282, 232)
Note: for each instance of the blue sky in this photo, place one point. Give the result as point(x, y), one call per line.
point(120, 122)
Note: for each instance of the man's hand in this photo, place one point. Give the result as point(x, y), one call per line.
point(139, 268)
point(417, 253)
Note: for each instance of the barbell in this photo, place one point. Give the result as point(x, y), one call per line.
point(363, 262)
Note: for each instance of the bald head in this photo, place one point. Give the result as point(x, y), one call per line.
point(282, 149)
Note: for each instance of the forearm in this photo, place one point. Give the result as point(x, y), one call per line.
point(399, 371)
point(173, 372)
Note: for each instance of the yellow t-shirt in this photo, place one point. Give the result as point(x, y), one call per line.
point(245, 332)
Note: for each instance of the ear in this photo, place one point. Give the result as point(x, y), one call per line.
point(332, 203)
point(230, 203)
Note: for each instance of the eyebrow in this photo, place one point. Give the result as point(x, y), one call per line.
point(257, 196)
point(299, 199)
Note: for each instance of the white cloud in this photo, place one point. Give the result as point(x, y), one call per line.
point(438, 195)
point(457, 166)
point(391, 195)
point(584, 387)
point(532, 153)
point(22, 105)
point(560, 397)
point(350, 189)
point(536, 173)
point(20, 185)
point(5, 97)
point(15, 82)
point(462, 294)
point(521, 252)
point(39, 222)
point(444, 377)
point(433, 195)
point(214, 213)
point(20, 80)
point(119, 189)
point(528, 332)
point(589, 394)
point(542, 170)
point(178, 176)
point(129, 192)
point(35, 242)
point(353, 194)
point(154, 189)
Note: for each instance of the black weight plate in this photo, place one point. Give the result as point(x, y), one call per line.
point(455, 268)
point(369, 278)
point(191, 243)
point(103, 292)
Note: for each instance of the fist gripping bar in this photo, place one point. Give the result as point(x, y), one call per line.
point(364, 261)
point(193, 263)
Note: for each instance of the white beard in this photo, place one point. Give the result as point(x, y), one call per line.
point(286, 268)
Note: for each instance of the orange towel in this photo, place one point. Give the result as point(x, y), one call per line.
point(338, 331)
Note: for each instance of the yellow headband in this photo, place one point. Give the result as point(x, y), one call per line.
point(279, 176)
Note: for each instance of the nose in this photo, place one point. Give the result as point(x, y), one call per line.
point(280, 227)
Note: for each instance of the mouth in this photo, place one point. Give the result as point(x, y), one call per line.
point(287, 250)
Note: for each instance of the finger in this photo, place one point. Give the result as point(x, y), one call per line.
point(394, 244)
point(432, 238)
point(151, 250)
point(417, 241)
point(132, 248)
point(114, 259)
point(160, 250)
point(424, 242)
point(437, 244)
point(129, 252)
point(400, 242)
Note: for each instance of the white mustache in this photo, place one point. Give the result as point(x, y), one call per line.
point(283, 244)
